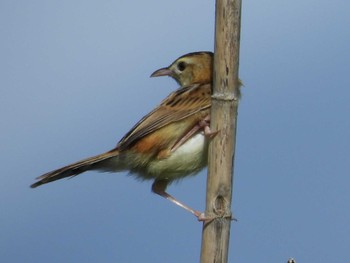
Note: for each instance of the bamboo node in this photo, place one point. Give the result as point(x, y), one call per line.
point(224, 97)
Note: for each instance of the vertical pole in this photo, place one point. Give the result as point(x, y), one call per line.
point(216, 233)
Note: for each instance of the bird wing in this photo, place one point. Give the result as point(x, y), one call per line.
point(179, 105)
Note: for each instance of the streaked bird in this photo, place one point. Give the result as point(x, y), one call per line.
point(167, 144)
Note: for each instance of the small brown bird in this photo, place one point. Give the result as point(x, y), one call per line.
point(170, 142)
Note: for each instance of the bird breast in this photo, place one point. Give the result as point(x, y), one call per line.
point(189, 158)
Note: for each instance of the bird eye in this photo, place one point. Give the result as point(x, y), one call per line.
point(181, 66)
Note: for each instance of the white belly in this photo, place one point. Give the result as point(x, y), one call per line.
point(188, 159)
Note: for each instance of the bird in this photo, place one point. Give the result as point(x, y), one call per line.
point(167, 144)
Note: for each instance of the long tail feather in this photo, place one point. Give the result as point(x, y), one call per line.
point(92, 163)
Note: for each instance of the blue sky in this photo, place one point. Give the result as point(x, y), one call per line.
point(75, 78)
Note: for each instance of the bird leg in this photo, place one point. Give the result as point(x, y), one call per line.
point(202, 124)
point(205, 125)
point(159, 187)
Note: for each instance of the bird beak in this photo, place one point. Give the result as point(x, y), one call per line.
point(162, 72)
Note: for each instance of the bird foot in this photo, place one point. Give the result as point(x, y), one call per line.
point(207, 219)
point(205, 125)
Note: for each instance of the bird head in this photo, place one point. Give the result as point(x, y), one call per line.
point(189, 69)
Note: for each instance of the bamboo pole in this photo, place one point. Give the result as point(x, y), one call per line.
point(216, 233)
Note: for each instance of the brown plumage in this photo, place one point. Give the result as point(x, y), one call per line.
point(169, 142)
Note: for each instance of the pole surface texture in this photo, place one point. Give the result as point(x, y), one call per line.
point(216, 232)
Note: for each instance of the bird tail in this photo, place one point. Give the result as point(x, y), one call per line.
point(98, 162)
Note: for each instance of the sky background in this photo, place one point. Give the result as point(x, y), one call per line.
point(75, 78)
